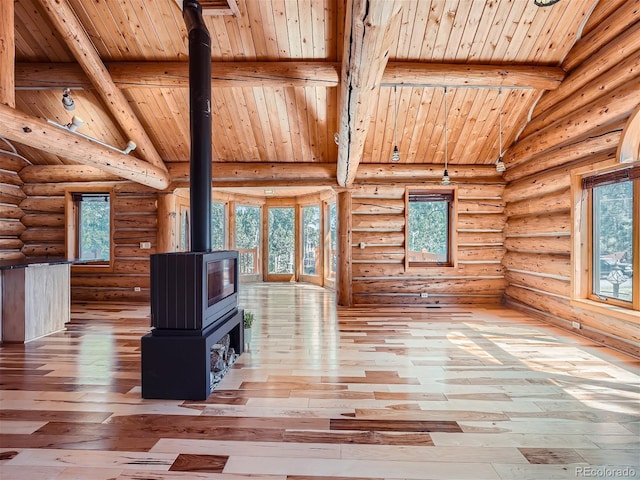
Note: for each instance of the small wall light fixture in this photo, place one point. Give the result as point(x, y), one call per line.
point(67, 100)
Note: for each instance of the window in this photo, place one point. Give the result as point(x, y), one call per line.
point(429, 219)
point(613, 236)
point(247, 235)
point(90, 227)
point(311, 240)
point(281, 242)
point(332, 229)
point(218, 230)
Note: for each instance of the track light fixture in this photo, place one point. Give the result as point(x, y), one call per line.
point(445, 176)
point(395, 156)
point(67, 100)
point(131, 146)
point(500, 166)
point(76, 122)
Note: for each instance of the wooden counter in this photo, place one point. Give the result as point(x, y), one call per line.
point(35, 300)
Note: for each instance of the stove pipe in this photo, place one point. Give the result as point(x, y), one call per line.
point(200, 118)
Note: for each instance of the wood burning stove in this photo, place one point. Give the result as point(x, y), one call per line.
point(193, 307)
point(194, 295)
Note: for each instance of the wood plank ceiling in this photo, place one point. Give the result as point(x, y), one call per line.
point(282, 80)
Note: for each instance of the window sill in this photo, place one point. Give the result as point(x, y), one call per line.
point(632, 316)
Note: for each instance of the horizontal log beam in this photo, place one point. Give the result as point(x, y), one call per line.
point(297, 173)
point(537, 77)
point(606, 110)
point(38, 133)
point(288, 74)
point(65, 173)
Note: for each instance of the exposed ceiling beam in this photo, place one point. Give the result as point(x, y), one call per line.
point(64, 19)
point(58, 76)
point(305, 173)
point(371, 26)
point(7, 54)
point(38, 133)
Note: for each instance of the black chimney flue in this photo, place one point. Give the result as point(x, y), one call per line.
point(200, 118)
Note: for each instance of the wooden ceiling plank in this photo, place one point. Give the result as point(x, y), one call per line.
point(483, 33)
point(371, 27)
point(431, 117)
point(294, 33)
point(425, 30)
point(512, 24)
point(463, 10)
point(223, 121)
point(411, 133)
point(255, 123)
point(327, 122)
point(37, 35)
point(438, 35)
point(63, 17)
point(168, 38)
point(177, 102)
point(381, 124)
point(94, 16)
point(262, 111)
point(469, 31)
point(562, 33)
point(38, 133)
point(132, 38)
point(246, 119)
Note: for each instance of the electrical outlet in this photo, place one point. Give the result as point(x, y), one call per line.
point(145, 245)
point(362, 245)
point(576, 325)
point(424, 295)
point(136, 289)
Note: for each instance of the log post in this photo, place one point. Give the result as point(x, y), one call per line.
point(167, 224)
point(370, 28)
point(344, 273)
point(7, 54)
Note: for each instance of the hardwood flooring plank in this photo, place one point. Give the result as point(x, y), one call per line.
point(394, 425)
point(199, 463)
point(324, 393)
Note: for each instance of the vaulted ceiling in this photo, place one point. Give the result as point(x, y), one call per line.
point(305, 81)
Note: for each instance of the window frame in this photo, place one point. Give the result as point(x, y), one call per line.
point(588, 184)
point(582, 248)
point(445, 191)
point(72, 213)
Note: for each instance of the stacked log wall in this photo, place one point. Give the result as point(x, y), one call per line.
point(577, 126)
point(379, 275)
point(134, 211)
point(11, 195)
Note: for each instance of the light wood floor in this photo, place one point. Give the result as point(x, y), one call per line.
point(359, 394)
